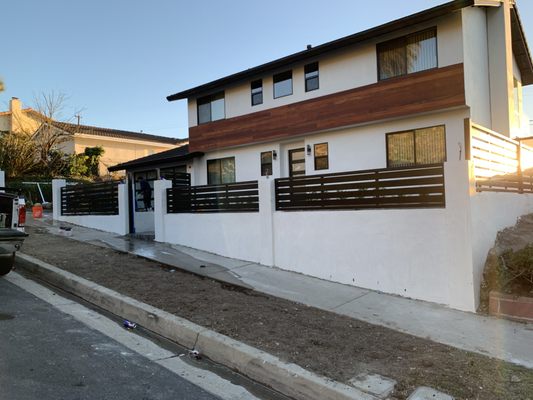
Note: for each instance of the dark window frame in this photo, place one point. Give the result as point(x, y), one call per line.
point(219, 160)
point(326, 157)
point(209, 100)
point(404, 40)
point(277, 78)
point(265, 165)
point(413, 131)
point(308, 78)
point(256, 85)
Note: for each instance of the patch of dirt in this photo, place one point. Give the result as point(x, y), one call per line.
point(495, 276)
point(326, 343)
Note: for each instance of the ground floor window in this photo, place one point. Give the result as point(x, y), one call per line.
point(321, 156)
point(144, 190)
point(416, 147)
point(221, 170)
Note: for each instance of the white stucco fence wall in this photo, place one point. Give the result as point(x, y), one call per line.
point(419, 253)
point(144, 221)
point(237, 235)
point(110, 223)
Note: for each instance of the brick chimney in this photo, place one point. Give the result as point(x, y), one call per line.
point(15, 104)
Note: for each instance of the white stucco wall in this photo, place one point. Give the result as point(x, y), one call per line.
point(476, 64)
point(341, 70)
point(144, 221)
point(350, 149)
point(235, 235)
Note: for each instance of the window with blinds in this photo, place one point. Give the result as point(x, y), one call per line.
point(417, 147)
point(408, 54)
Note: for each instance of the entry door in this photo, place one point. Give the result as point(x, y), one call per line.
point(297, 162)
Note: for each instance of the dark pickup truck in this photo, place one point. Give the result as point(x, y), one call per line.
point(12, 235)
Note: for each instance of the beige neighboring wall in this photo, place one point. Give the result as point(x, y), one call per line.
point(117, 150)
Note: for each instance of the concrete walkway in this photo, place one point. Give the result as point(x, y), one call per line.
point(506, 340)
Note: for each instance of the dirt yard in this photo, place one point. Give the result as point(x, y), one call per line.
point(332, 345)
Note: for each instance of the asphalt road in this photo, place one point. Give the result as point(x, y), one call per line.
point(47, 354)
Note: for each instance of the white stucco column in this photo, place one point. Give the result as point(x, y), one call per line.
point(57, 184)
point(160, 208)
point(267, 206)
point(458, 225)
point(500, 67)
point(123, 209)
point(2, 178)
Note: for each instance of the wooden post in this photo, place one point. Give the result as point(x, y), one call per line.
point(519, 171)
point(468, 128)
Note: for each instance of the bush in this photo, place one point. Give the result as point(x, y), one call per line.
point(518, 268)
point(511, 272)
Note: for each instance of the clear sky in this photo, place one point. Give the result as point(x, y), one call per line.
point(118, 59)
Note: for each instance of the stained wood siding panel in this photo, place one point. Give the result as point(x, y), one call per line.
point(415, 93)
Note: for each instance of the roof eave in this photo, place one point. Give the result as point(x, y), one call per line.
point(132, 164)
point(388, 27)
point(521, 48)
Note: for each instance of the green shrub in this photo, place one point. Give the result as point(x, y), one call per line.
point(510, 272)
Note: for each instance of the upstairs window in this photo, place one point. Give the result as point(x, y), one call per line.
point(283, 84)
point(416, 147)
point(408, 54)
point(220, 171)
point(211, 108)
point(266, 163)
point(257, 92)
point(311, 76)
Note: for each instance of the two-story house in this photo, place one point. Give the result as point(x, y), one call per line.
point(368, 100)
point(438, 91)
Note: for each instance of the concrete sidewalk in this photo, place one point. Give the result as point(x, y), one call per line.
point(490, 336)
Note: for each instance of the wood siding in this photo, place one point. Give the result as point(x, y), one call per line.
point(426, 91)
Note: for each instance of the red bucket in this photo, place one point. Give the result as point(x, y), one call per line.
point(37, 211)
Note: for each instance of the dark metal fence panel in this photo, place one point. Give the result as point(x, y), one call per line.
point(511, 183)
point(406, 187)
point(90, 199)
point(179, 179)
point(231, 197)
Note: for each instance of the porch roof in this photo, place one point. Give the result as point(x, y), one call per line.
point(173, 155)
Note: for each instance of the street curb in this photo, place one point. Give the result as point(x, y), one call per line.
point(287, 378)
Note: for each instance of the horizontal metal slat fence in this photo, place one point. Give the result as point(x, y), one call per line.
point(231, 197)
point(180, 179)
point(90, 199)
point(406, 187)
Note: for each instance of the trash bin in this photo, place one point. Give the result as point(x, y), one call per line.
point(37, 210)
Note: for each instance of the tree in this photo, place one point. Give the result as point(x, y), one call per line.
point(93, 159)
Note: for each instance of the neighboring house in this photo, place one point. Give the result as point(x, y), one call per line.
point(119, 146)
